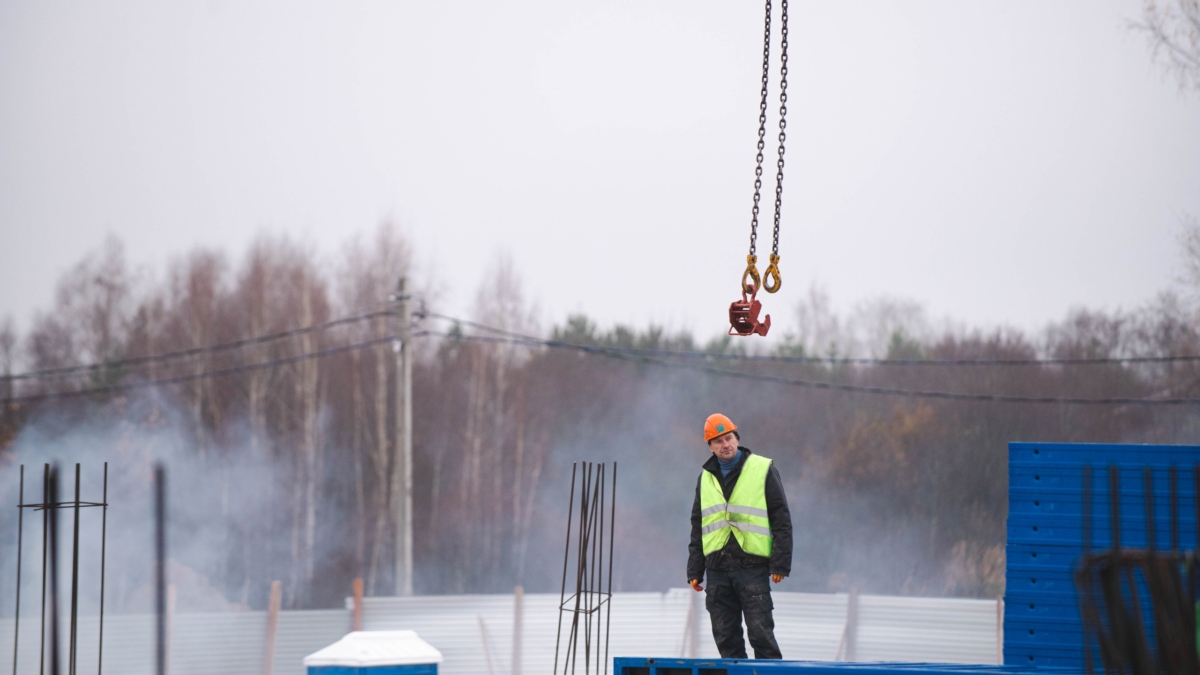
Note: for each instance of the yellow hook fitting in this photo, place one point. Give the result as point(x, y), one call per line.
point(772, 273)
point(751, 273)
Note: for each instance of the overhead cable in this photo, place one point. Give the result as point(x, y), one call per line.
point(834, 360)
point(233, 370)
point(195, 351)
point(645, 357)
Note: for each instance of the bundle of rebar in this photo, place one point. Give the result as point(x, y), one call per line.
point(50, 507)
point(1139, 605)
point(592, 595)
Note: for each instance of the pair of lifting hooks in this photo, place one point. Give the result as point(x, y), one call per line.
point(743, 314)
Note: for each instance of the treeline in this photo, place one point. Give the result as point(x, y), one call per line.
point(286, 472)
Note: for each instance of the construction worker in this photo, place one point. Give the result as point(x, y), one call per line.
point(741, 535)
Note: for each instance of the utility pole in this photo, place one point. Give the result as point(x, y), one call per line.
point(403, 459)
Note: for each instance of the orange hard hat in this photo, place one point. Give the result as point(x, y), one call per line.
point(717, 425)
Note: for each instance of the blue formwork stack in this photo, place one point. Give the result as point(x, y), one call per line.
point(1047, 533)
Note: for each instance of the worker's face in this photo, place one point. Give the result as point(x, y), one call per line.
point(724, 446)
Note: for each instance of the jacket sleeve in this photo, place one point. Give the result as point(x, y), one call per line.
point(781, 524)
point(695, 565)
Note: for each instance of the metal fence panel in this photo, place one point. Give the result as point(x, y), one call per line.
point(807, 625)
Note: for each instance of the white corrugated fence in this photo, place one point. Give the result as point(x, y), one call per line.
point(475, 632)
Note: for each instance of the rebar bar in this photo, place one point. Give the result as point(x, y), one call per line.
point(103, 549)
point(50, 506)
point(562, 594)
point(45, 540)
point(160, 570)
point(20, 538)
point(53, 518)
point(74, 580)
point(612, 522)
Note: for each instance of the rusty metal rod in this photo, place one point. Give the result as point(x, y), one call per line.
point(160, 570)
point(53, 516)
point(562, 593)
point(74, 581)
point(20, 537)
point(612, 522)
point(103, 548)
point(45, 541)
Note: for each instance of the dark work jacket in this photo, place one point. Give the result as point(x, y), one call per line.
point(732, 557)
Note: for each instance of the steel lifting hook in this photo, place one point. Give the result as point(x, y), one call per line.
point(743, 315)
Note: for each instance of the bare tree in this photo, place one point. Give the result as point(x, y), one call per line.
point(92, 312)
point(197, 288)
point(1173, 31)
point(821, 330)
point(367, 276)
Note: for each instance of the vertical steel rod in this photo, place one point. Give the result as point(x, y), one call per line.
point(600, 574)
point(160, 570)
point(581, 559)
point(52, 507)
point(103, 547)
point(594, 575)
point(612, 522)
point(589, 580)
point(580, 566)
point(562, 594)
point(45, 544)
point(20, 532)
point(74, 580)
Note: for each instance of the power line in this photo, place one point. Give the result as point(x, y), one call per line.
point(195, 351)
point(654, 356)
point(833, 360)
point(217, 348)
point(640, 356)
point(645, 357)
point(233, 370)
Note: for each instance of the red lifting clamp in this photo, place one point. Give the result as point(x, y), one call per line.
point(743, 316)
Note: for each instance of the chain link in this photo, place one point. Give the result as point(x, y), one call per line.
point(772, 281)
point(783, 73)
point(762, 131)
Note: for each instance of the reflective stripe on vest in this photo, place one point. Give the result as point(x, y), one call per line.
point(744, 516)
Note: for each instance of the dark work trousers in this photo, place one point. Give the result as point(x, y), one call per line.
point(729, 595)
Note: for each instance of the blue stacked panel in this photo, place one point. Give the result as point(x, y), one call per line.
point(1046, 533)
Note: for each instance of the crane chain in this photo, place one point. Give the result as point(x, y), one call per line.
point(771, 276)
point(751, 272)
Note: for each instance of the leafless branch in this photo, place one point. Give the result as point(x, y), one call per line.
point(1173, 31)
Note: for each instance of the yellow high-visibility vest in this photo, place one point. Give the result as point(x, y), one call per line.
point(744, 516)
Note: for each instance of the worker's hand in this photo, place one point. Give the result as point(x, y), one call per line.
point(777, 578)
point(695, 584)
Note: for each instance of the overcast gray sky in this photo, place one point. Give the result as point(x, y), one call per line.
point(1000, 161)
